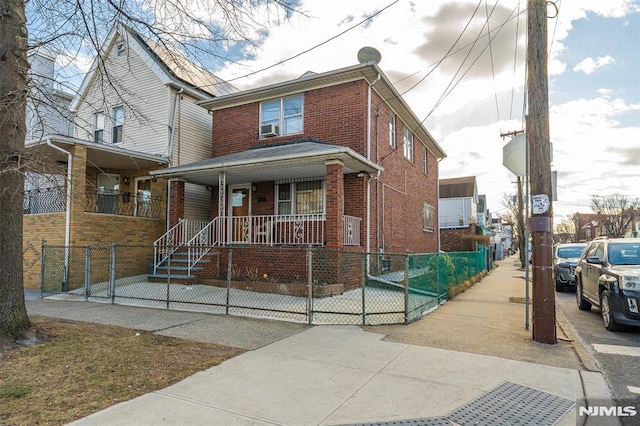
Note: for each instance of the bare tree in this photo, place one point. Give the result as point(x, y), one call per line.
point(201, 31)
point(617, 213)
point(13, 95)
point(565, 232)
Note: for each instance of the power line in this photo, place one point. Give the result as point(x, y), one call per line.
point(317, 45)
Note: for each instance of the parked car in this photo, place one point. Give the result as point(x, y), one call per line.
point(565, 259)
point(608, 277)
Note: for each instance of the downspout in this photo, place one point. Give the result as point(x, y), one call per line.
point(170, 152)
point(438, 202)
point(173, 124)
point(368, 213)
point(67, 226)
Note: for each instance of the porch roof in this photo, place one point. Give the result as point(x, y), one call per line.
point(105, 156)
point(290, 160)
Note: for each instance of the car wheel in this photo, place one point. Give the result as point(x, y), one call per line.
point(583, 305)
point(559, 286)
point(607, 316)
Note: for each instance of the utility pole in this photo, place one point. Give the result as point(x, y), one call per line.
point(541, 220)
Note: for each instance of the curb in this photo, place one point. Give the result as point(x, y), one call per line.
point(586, 358)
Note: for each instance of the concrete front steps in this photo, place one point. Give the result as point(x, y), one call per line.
point(177, 269)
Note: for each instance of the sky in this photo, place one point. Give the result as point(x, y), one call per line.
point(469, 87)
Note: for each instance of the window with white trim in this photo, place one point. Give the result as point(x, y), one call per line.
point(286, 113)
point(120, 48)
point(407, 137)
point(425, 161)
point(117, 120)
point(428, 216)
point(300, 197)
point(392, 130)
point(98, 127)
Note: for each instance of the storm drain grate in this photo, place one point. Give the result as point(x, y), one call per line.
point(431, 421)
point(511, 404)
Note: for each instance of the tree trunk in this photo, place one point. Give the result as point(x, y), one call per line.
point(13, 94)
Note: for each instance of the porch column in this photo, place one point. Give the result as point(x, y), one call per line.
point(335, 203)
point(176, 197)
point(78, 200)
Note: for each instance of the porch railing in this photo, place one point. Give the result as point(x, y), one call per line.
point(46, 200)
point(179, 235)
point(252, 230)
point(124, 204)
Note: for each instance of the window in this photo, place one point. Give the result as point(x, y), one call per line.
point(392, 130)
point(428, 215)
point(286, 113)
point(98, 127)
point(408, 144)
point(120, 49)
point(425, 161)
point(118, 122)
point(300, 198)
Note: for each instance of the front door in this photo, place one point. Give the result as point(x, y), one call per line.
point(239, 211)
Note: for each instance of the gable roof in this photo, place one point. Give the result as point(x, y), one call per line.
point(370, 72)
point(458, 187)
point(171, 67)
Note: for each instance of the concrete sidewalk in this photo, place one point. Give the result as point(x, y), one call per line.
point(469, 362)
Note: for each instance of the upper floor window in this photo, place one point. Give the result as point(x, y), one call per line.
point(117, 124)
point(120, 49)
point(98, 127)
point(284, 113)
point(300, 197)
point(408, 143)
point(425, 162)
point(392, 130)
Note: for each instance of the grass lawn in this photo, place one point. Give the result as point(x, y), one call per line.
point(80, 368)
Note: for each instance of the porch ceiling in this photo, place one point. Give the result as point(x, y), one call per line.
point(299, 159)
point(103, 156)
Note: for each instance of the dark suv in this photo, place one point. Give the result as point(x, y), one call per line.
point(608, 276)
point(565, 259)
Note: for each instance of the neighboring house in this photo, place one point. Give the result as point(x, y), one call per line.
point(135, 112)
point(334, 159)
point(458, 212)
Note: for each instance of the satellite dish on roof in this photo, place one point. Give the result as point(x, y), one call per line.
point(369, 54)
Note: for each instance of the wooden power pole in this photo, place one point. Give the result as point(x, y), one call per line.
point(541, 220)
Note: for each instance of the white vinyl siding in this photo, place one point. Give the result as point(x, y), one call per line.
point(197, 202)
point(143, 92)
point(192, 139)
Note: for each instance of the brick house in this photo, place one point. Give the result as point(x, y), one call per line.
point(134, 112)
point(335, 159)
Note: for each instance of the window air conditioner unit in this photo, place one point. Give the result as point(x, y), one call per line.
point(269, 131)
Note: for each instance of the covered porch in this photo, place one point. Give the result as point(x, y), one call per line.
point(291, 193)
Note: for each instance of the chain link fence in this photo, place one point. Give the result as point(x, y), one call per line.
point(314, 285)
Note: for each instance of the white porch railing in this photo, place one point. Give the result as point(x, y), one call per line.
point(200, 237)
point(455, 221)
point(181, 233)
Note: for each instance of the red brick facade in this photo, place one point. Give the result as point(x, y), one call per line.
point(391, 203)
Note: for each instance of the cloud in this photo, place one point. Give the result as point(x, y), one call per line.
point(589, 65)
